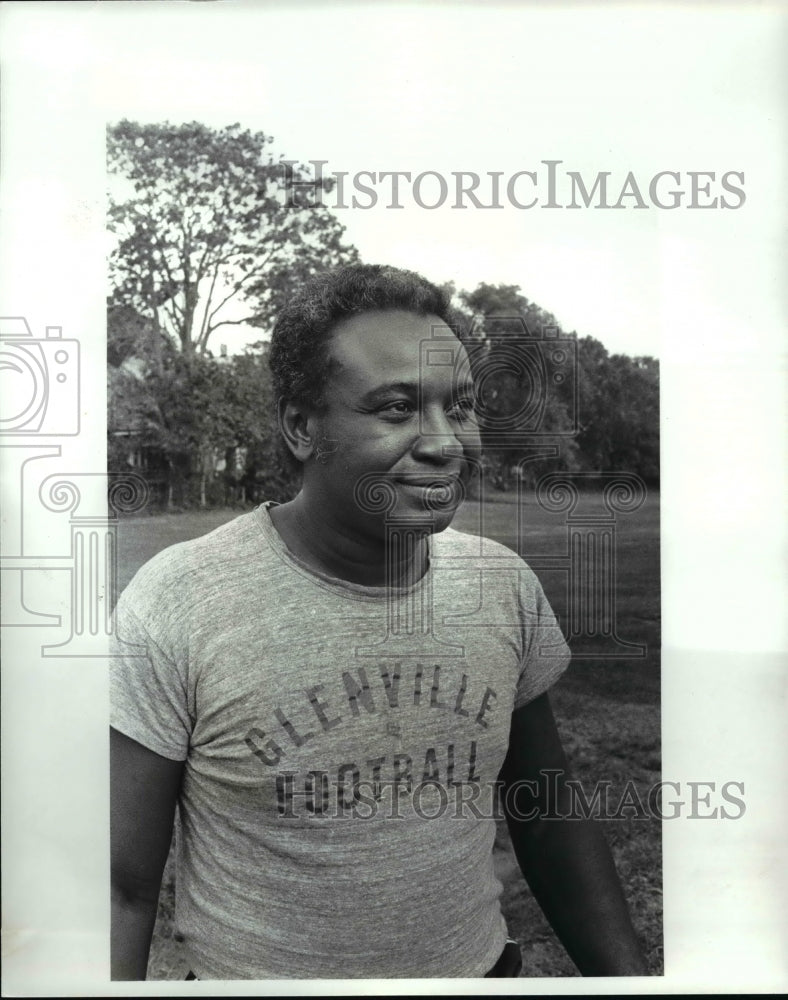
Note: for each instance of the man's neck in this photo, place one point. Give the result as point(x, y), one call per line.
point(337, 550)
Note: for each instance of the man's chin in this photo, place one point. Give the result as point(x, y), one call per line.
point(442, 522)
point(423, 516)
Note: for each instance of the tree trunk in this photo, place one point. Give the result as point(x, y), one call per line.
point(169, 485)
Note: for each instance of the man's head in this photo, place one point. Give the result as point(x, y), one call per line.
point(360, 401)
point(300, 356)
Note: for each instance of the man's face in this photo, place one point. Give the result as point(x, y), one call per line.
point(395, 418)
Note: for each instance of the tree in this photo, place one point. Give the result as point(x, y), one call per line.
point(604, 416)
point(521, 404)
point(205, 235)
point(193, 415)
point(619, 411)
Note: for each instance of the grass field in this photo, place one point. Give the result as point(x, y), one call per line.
point(608, 712)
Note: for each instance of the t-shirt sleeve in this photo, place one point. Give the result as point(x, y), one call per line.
point(148, 681)
point(546, 653)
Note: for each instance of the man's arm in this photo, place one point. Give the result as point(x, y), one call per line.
point(143, 792)
point(566, 862)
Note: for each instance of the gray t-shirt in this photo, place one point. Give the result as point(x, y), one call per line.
point(341, 746)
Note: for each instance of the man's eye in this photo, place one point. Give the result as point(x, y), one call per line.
point(463, 409)
point(397, 408)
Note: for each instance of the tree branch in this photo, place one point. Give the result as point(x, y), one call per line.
point(238, 285)
point(232, 322)
point(204, 324)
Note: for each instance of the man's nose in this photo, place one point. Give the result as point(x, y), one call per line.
point(438, 440)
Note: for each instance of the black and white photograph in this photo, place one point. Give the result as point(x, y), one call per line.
point(393, 408)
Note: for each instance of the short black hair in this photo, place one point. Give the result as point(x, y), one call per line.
point(299, 358)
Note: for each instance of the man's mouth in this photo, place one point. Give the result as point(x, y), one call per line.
point(428, 480)
point(439, 490)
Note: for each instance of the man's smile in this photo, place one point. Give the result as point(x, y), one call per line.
point(435, 479)
point(438, 491)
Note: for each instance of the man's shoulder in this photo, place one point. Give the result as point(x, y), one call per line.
point(455, 549)
point(453, 543)
point(207, 560)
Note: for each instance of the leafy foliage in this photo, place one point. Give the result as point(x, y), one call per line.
point(205, 239)
point(193, 413)
point(619, 411)
point(204, 229)
point(522, 410)
point(603, 414)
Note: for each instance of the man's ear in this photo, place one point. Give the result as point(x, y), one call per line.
point(297, 426)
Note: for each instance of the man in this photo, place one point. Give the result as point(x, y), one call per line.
point(329, 688)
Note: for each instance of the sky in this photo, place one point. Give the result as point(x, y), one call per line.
point(442, 87)
point(447, 88)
